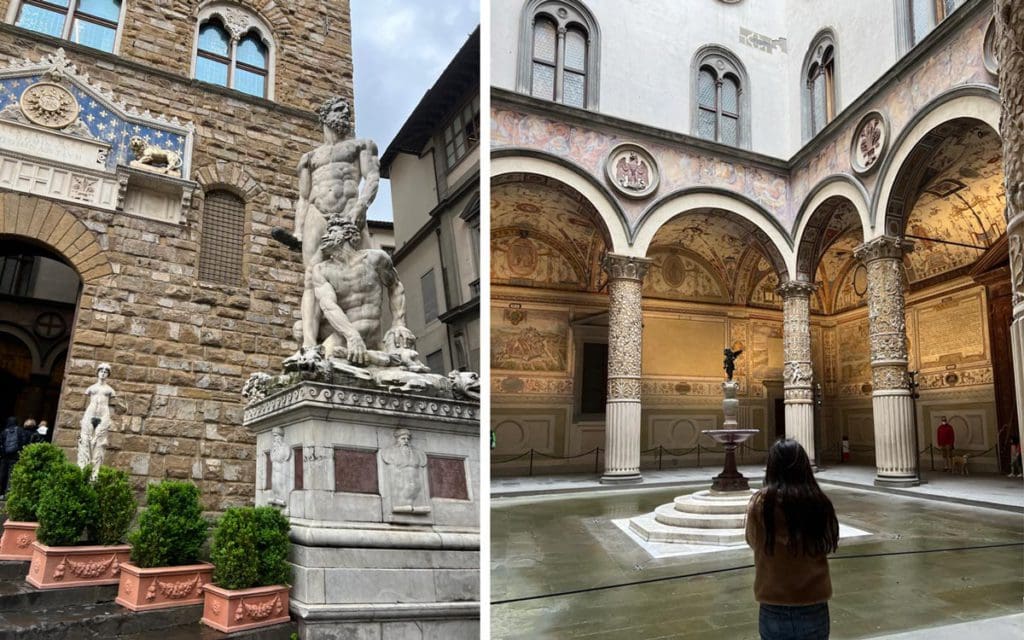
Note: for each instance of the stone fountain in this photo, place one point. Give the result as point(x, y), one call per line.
point(715, 516)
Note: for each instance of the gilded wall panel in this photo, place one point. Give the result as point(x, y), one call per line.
point(684, 346)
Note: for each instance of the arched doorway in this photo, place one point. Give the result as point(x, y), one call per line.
point(39, 294)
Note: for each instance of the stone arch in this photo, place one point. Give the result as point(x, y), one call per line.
point(768, 230)
point(26, 339)
point(814, 213)
point(901, 169)
point(229, 177)
point(269, 11)
point(508, 161)
point(51, 224)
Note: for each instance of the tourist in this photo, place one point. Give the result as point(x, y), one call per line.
point(42, 434)
point(792, 527)
point(1015, 462)
point(11, 442)
point(945, 437)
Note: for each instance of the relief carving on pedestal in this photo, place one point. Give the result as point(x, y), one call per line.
point(403, 467)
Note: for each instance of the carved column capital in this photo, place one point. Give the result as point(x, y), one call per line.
point(620, 267)
point(796, 289)
point(885, 247)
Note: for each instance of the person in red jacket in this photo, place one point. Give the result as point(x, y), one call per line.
point(945, 437)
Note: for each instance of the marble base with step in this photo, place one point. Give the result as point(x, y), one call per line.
point(705, 517)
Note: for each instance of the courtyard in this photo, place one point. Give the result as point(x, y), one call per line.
point(561, 567)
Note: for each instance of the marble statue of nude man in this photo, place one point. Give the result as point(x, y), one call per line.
point(329, 187)
point(349, 286)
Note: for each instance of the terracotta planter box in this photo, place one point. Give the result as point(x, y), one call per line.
point(63, 567)
point(229, 611)
point(162, 587)
point(16, 542)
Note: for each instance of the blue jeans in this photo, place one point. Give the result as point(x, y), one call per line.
point(777, 622)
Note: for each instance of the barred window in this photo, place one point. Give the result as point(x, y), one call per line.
point(220, 248)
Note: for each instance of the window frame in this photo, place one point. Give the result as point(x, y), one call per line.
point(239, 23)
point(202, 274)
point(472, 141)
point(722, 63)
point(822, 59)
point(71, 13)
point(565, 15)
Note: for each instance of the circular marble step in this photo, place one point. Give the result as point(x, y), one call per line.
point(653, 531)
point(708, 502)
point(669, 514)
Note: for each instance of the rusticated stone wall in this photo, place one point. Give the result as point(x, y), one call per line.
point(181, 347)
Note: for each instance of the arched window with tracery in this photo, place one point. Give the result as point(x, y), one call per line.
point(820, 85)
point(722, 110)
point(236, 53)
point(559, 53)
point(93, 23)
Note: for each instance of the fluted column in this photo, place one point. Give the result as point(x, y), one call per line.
point(798, 373)
point(895, 453)
point(1010, 52)
point(625, 332)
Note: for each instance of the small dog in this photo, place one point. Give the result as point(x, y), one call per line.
point(960, 465)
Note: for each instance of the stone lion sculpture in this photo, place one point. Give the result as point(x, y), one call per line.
point(153, 158)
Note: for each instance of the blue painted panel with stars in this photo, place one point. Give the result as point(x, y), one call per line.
point(103, 123)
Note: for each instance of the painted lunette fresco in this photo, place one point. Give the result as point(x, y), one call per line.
point(957, 63)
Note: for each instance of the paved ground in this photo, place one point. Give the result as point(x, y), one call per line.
point(561, 569)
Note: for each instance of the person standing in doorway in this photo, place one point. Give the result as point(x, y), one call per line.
point(945, 437)
point(12, 439)
point(1015, 462)
point(42, 433)
point(792, 527)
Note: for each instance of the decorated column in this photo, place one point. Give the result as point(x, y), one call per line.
point(625, 331)
point(798, 373)
point(895, 453)
point(1010, 53)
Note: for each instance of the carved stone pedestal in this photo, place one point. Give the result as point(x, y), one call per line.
point(381, 491)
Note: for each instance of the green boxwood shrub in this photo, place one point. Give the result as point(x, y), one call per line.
point(115, 506)
point(28, 477)
point(250, 548)
point(171, 528)
point(67, 505)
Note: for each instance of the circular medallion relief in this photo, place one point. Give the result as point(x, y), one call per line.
point(869, 143)
point(860, 281)
point(49, 105)
point(632, 170)
point(989, 49)
point(672, 270)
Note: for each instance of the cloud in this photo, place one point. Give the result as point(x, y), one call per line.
point(400, 48)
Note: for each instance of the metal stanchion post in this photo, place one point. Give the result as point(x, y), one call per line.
point(660, 449)
point(914, 395)
point(531, 463)
point(698, 454)
point(597, 458)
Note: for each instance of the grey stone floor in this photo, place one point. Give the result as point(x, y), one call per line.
point(561, 569)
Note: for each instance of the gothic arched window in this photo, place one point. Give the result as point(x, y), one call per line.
point(93, 23)
point(722, 109)
point(235, 53)
point(559, 53)
point(820, 85)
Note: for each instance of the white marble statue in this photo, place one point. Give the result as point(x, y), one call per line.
point(92, 440)
point(280, 454)
point(403, 464)
point(329, 188)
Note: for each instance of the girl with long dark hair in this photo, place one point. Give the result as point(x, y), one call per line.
point(792, 527)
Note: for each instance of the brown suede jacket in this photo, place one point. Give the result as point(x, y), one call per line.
point(784, 578)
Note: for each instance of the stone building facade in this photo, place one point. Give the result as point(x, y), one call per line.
point(182, 289)
point(747, 174)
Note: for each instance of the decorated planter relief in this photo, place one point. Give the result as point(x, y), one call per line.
point(228, 610)
point(632, 170)
point(162, 587)
point(16, 541)
point(869, 143)
point(63, 567)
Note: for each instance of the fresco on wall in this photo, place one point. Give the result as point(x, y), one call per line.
point(680, 167)
point(958, 63)
point(854, 354)
point(963, 202)
point(544, 234)
point(677, 274)
point(529, 340)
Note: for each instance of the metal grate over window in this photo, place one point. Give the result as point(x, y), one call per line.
point(220, 248)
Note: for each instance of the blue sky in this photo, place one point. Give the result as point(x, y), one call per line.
point(400, 48)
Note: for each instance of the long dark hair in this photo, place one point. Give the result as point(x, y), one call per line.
point(810, 517)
